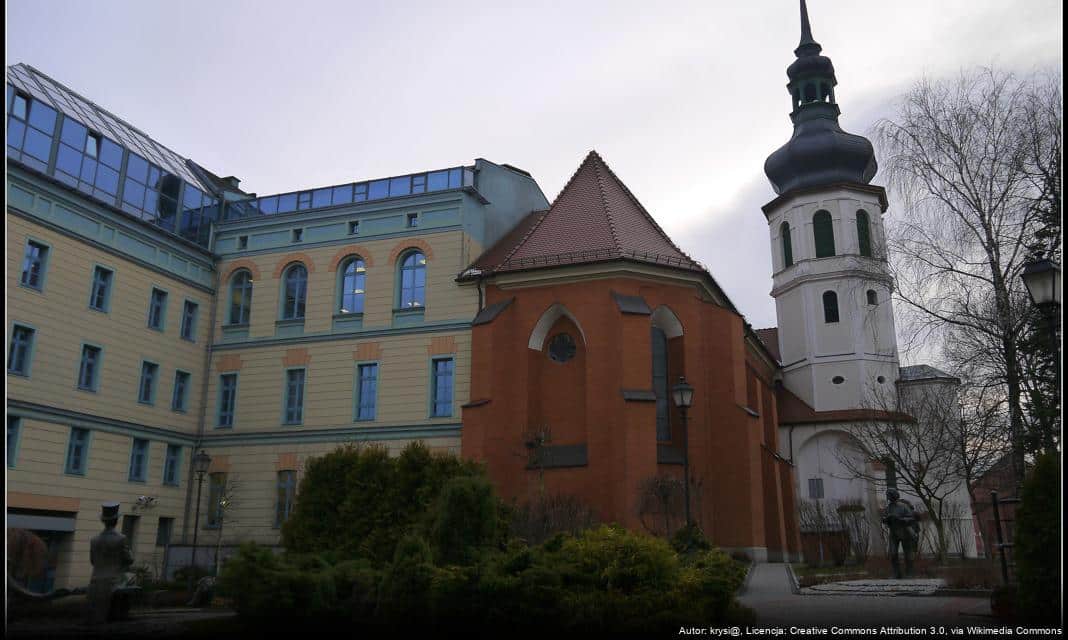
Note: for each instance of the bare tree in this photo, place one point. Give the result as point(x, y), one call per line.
point(661, 500)
point(920, 437)
point(225, 507)
point(975, 162)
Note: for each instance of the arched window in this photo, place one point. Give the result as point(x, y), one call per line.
point(660, 384)
point(787, 245)
point(353, 281)
point(873, 298)
point(240, 297)
point(830, 307)
point(295, 292)
point(864, 233)
point(823, 231)
point(412, 281)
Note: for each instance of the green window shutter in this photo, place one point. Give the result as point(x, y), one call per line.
point(787, 245)
point(864, 233)
point(823, 230)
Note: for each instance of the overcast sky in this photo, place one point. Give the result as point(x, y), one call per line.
point(684, 100)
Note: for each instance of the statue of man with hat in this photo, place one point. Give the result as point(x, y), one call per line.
point(110, 557)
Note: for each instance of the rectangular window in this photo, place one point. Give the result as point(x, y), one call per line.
point(441, 392)
point(216, 495)
point(146, 391)
point(189, 320)
point(18, 359)
point(366, 391)
point(227, 399)
point(33, 265)
point(298, 235)
point(129, 529)
point(164, 531)
point(815, 488)
point(171, 464)
point(287, 490)
point(100, 294)
point(180, 395)
point(294, 396)
point(88, 372)
point(157, 309)
point(78, 451)
point(413, 220)
point(13, 425)
point(139, 460)
point(354, 228)
point(242, 242)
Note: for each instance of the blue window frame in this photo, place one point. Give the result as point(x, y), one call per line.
point(295, 292)
point(78, 451)
point(366, 390)
point(34, 264)
point(172, 465)
point(100, 292)
point(180, 394)
point(189, 320)
point(150, 193)
point(240, 297)
point(21, 350)
point(353, 283)
point(31, 126)
point(157, 309)
point(138, 460)
point(88, 161)
point(294, 396)
point(146, 390)
point(287, 491)
point(441, 388)
point(14, 425)
point(227, 399)
point(89, 370)
point(412, 281)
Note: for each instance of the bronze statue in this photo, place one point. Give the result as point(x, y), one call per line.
point(904, 531)
point(110, 557)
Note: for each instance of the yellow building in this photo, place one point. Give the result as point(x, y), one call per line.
point(155, 309)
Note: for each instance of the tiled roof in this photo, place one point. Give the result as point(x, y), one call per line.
point(594, 219)
point(770, 338)
point(794, 410)
point(923, 372)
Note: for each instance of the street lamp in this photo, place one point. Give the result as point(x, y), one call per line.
point(682, 394)
point(1042, 277)
point(201, 464)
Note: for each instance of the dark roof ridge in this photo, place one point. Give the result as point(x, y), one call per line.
point(599, 162)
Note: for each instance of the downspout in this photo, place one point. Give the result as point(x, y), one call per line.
point(203, 399)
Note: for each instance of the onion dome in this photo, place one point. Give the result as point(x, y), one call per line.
point(819, 153)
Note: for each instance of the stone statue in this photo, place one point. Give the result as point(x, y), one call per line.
point(110, 557)
point(904, 531)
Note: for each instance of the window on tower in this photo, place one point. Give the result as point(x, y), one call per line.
point(830, 307)
point(823, 232)
point(787, 245)
point(864, 233)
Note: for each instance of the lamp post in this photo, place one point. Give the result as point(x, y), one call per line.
point(682, 394)
point(201, 463)
point(1042, 277)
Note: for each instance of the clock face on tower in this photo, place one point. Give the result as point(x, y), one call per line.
point(561, 348)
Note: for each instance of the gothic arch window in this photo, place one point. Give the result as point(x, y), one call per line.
point(240, 297)
point(873, 298)
point(294, 292)
point(412, 276)
point(864, 233)
point(352, 279)
point(823, 233)
point(540, 333)
point(660, 384)
point(830, 307)
point(787, 245)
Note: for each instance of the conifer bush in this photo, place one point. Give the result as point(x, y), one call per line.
point(1037, 542)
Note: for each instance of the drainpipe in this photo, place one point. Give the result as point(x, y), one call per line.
point(203, 402)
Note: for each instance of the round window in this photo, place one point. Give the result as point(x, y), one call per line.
point(880, 379)
point(561, 348)
point(838, 379)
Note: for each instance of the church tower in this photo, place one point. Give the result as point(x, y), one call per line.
point(831, 280)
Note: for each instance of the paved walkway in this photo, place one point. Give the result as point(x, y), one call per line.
point(770, 595)
point(155, 623)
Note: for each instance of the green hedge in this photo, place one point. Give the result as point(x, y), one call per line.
point(605, 580)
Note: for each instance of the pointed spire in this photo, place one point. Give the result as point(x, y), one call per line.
point(808, 46)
